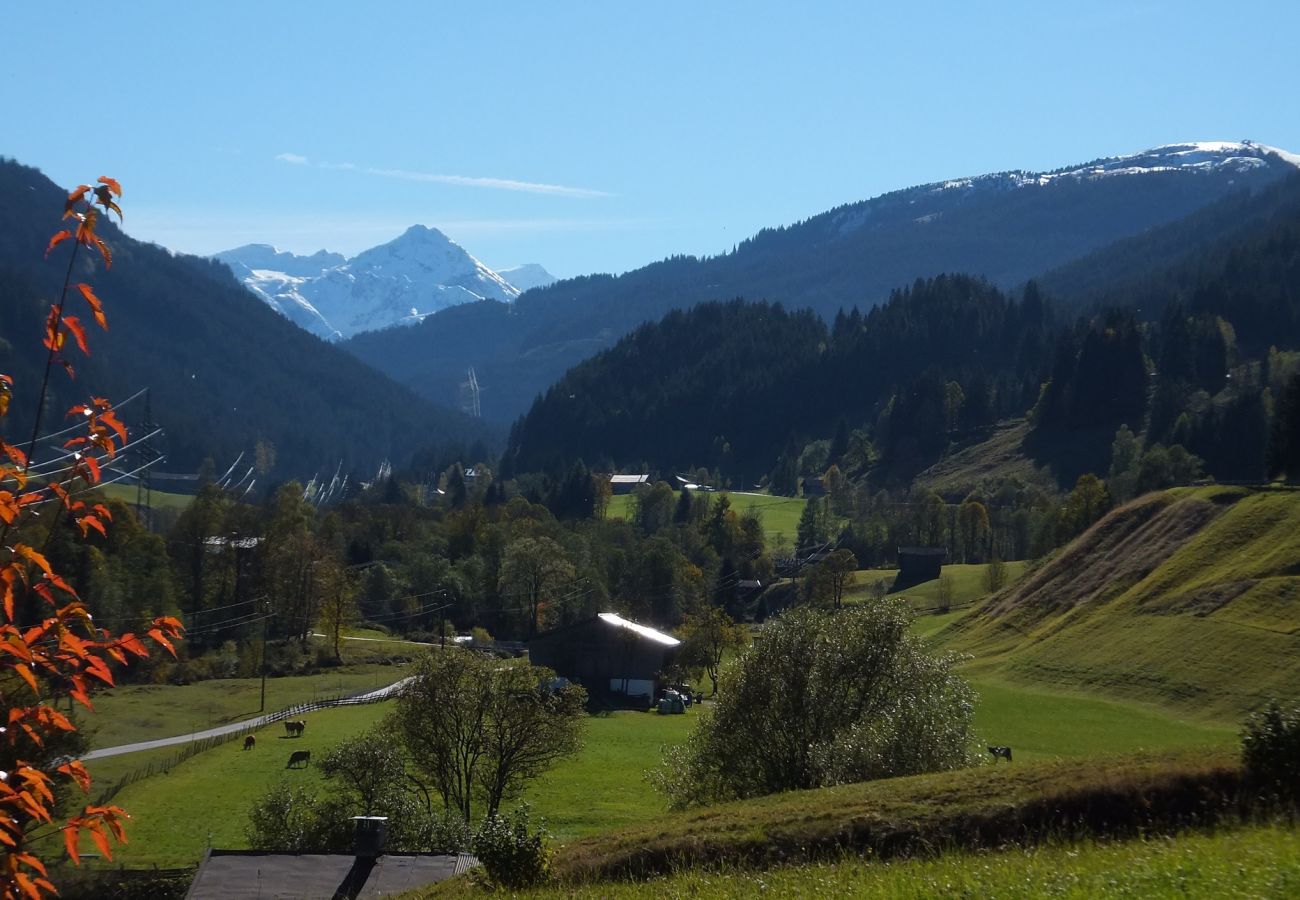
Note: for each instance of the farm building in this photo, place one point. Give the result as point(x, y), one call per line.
point(918, 564)
point(814, 487)
point(615, 659)
point(626, 484)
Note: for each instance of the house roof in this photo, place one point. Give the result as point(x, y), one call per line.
point(628, 479)
point(923, 551)
point(237, 874)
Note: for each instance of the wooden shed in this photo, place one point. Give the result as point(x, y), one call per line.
point(918, 564)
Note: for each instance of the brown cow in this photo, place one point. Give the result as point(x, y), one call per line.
point(299, 756)
point(250, 742)
point(294, 728)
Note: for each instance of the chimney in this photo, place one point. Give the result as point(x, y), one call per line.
point(371, 835)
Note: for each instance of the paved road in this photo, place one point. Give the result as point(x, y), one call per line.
point(223, 729)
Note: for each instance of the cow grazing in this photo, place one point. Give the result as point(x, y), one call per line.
point(1003, 752)
point(250, 742)
point(295, 728)
point(299, 756)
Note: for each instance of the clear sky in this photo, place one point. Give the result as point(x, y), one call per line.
point(600, 136)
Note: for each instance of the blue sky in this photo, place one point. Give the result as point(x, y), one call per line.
point(601, 136)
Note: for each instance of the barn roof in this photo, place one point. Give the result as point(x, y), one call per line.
point(628, 479)
point(643, 630)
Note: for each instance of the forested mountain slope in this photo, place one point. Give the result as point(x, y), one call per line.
point(1195, 355)
point(1137, 265)
point(1189, 599)
point(732, 385)
point(1005, 227)
point(223, 369)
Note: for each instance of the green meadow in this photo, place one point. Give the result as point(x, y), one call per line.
point(780, 515)
point(204, 801)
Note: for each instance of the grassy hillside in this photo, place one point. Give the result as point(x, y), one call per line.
point(1188, 600)
point(983, 806)
point(1258, 861)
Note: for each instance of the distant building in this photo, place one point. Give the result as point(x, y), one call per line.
point(626, 484)
point(615, 659)
point(918, 564)
point(814, 487)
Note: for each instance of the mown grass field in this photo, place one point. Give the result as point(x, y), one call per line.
point(603, 788)
point(204, 801)
point(780, 514)
point(1256, 861)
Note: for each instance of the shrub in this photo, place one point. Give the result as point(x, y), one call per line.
point(1270, 750)
point(825, 698)
point(512, 855)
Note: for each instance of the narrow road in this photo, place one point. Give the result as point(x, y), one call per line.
point(257, 722)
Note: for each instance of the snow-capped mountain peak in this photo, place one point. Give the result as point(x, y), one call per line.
point(417, 273)
point(527, 276)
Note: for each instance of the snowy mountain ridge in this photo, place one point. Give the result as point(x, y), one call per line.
point(412, 276)
point(925, 203)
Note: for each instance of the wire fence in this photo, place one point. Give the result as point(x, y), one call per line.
point(162, 766)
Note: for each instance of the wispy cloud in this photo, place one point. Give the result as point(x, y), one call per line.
point(496, 184)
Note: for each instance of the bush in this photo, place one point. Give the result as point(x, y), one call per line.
point(512, 856)
point(825, 698)
point(1270, 750)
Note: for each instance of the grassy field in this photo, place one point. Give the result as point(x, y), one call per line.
point(1043, 725)
point(1257, 861)
point(204, 801)
point(1188, 601)
point(159, 499)
point(780, 514)
point(603, 788)
point(131, 713)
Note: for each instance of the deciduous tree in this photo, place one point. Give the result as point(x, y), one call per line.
point(478, 728)
point(707, 637)
point(49, 644)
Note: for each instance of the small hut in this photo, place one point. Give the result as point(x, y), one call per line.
point(918, 564)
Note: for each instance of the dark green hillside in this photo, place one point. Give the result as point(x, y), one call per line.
point(855, 254)
point(1194, 361)
point(1141, 265)
point(223, 369)
point(731, 385)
